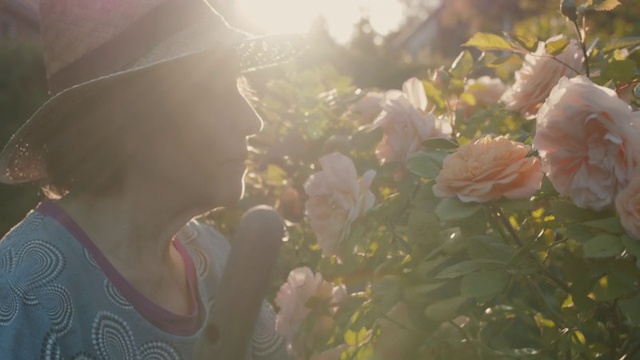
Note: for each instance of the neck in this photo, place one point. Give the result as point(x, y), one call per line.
point(132, 228)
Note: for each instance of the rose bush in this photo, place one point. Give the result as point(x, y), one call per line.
point(628, 207)
point(589, 141)
point(501, 239)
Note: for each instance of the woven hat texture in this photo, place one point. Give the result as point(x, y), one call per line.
point(90, 45)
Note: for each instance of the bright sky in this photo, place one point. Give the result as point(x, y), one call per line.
point(276, 16)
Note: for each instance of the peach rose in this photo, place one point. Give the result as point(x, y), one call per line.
point(628, 207)
point(489, 169)
point(406, 123)
point(336, 199)
point(539, 74)
point(302, 284)
point(368, 107)
point(486, 91)
point(589, 142)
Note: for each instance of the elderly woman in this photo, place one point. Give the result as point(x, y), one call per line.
point(147, 129)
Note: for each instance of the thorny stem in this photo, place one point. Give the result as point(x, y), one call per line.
point(630, 354)
point(536, 290)
point(465, 333)
point(558, 60)
point(614, 330)
point(505, 221)
point(582, 38)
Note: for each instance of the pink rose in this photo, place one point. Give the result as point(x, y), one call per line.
point(368, 107)
point(628, 207)
point(486, 91)
point(302, 284)
point(489, 169)
point(406, 123)
point(539, 74)
point(589, 142)
point(336, 199)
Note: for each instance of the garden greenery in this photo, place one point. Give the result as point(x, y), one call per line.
point(490, 210)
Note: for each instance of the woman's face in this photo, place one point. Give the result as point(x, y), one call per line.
point(200, 149)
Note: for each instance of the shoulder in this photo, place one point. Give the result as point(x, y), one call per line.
point(207, 246)
point(31, 251)
point(35, 306)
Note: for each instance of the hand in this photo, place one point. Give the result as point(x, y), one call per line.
point(245, 280)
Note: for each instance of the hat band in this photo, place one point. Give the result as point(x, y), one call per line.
point(140, 37)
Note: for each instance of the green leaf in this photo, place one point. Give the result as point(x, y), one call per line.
point(444, 310)
point(425, 199)
point(434, 94)
point(461, 65)
point(619, 70)
point(622, 43)
point(601, 5)
point(631, 245)
point(439, 144)
point(354, 338)
point(385, 292)
point(366, 138)
point(426, 164)
point(483, 284)
point(453, 245)
point(612, 286)
point(611, 225)
point(526, 41)
point(423, 226)
point(567, 212)
point(465, 267)
point(452, 209)
point(353, 241)
point(601, 246)
point(556, 47)
point(630, 309)
point(487, 247)
point(488, 42)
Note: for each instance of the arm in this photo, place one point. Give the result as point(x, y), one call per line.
point(243, 285)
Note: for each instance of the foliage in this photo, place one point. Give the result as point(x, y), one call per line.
point(537, 278)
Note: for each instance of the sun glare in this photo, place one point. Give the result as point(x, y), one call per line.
point(286, 16)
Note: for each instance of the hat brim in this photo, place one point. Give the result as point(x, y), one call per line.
point(21, 160)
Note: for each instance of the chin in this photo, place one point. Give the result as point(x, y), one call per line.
point(227, 195)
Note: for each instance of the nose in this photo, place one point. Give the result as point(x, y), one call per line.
point(250, 122)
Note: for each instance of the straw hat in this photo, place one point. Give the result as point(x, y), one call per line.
point(91, 44)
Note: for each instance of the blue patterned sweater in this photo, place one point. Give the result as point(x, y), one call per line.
point(61, 299)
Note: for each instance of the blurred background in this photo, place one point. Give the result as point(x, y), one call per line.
point(376, 44)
